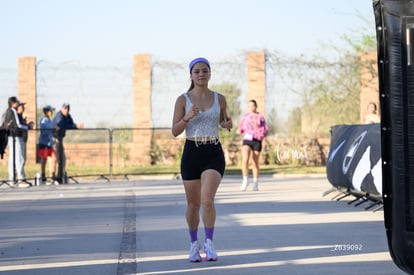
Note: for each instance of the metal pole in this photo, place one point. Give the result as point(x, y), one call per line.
point(14, 157)
point(110, 150)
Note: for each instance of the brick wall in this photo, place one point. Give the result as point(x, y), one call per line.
point(142, 105)
point(256, 77)
point(26, 83)
point(139, 148)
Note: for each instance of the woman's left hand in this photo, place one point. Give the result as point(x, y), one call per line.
point(227, 123)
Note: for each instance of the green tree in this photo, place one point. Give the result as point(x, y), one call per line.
point(332, 87)
point(335, 98)
point(273, 122)
point(232, 94)
point(294, 122)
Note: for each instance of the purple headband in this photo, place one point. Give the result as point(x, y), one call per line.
point(198, 60)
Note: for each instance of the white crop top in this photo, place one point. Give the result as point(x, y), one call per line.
point(205, 124)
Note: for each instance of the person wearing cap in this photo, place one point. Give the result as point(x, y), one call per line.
point(62, 122)
point(46, 143)
point(23, 120)
point(199, 112)
point(17, 146)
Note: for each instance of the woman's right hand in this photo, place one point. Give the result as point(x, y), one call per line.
point(192, 113)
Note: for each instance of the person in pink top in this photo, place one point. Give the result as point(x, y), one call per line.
point(253, 128)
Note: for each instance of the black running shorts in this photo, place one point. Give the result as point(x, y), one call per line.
point(201, 156)
point(255, 145)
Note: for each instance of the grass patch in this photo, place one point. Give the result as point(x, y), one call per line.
point(281, 169)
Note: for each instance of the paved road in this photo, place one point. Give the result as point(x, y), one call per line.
point(138, 227)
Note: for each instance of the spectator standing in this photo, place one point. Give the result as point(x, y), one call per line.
point(372, 116)
point(62, 122)
point(46, 143)
point(17, 147)
point(23, 121)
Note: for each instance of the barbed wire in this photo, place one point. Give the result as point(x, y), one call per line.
point(102, 96)
point(8, 84)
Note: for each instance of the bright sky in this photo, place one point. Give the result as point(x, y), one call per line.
point(108, 33)
point(112, 31)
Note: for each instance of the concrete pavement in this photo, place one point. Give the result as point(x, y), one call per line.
point(138, 227)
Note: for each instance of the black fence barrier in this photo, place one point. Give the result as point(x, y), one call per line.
point(119, 153)
point(88, 150)
point(106, 153)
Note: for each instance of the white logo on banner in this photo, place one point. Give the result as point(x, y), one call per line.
point(333, 153)
point(363, 169)
point(351, 152)
point(376, 172)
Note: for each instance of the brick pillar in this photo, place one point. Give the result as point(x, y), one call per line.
point(369, 82)
point(27, 93)
point(142, 108)
point(256, 83)
point(142, 91)
point(256, 79)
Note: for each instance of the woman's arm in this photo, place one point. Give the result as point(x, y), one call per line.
point(179, 120)
point(240, 129)
point(225, 120)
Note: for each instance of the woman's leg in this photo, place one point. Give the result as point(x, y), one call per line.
point(193, 195)
point(245, 166)
point(210, 181)
point(192, 192)
point(245, 160)
point(255, 165)
point(255, 170)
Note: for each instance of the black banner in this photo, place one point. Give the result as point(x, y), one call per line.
point(354, 159)
point(394, 20)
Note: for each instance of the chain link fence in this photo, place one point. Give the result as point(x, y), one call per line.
point(102, 96)
point(110, 153)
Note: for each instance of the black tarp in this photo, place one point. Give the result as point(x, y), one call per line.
point(394, 20)
point(354, 159)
